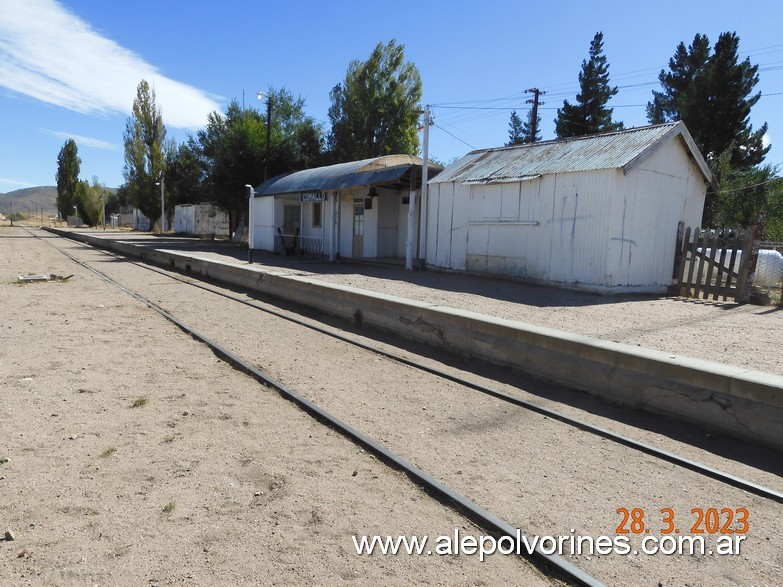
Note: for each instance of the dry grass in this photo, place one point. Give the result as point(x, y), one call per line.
point(109, 452)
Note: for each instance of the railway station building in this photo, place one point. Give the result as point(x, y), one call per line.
point(355, 210)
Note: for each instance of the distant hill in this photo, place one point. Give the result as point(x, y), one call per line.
point(30, 200)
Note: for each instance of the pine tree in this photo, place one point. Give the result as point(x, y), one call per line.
point(711, 94)
point(589, 115)
point(520, 132)
point(516, 130)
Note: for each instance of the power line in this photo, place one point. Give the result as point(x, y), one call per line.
point(524, 108)
point(748, 187)
point(454, 136)
point(624, 75)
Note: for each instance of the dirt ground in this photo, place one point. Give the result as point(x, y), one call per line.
point(209, 480)
point(214, 480)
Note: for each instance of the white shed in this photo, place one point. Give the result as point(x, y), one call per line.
point(598, 212)
point(200, 219)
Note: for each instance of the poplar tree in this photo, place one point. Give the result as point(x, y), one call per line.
point(68, 168)
point(145, 160)
point(590, 114)
point(375, 111)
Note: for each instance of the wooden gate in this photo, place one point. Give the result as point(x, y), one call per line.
point(714, 263)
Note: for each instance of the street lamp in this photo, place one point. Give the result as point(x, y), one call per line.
point(162, 184)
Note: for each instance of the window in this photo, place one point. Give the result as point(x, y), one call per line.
point(358, 220)
point(317, 214)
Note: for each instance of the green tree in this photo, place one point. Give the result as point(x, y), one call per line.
point(712, 93)
point(531, 129)
point(590, 114)
point(523, 132)
point(773, 231)
point(297, 139)
point(375, 111)
point(90, 197)
point(231, 150)
point(68, 168)
point(144, 139)
point(185, 176)
point(516, 130)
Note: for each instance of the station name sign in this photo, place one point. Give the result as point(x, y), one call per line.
point(313, 196)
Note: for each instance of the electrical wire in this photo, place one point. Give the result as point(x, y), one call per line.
point(454, 136)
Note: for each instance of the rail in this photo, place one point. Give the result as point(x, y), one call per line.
point(553, 565)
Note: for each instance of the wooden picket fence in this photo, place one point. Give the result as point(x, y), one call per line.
point(715, 263)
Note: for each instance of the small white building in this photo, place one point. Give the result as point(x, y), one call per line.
point(350, 210)
point(200, 220)
point(599, 212)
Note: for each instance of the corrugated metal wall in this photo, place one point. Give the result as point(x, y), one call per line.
point(596, 228)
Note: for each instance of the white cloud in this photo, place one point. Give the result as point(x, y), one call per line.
point(52, 55)
point(81, 140)
point(766, 140)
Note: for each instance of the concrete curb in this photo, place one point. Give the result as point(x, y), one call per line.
point(737, 402)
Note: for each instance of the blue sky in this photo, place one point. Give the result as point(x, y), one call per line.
point(69, 68)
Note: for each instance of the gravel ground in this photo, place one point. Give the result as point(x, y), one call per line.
point(530, 470)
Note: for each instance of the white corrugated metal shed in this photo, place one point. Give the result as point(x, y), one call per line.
point(598, 212)
point(623, 149)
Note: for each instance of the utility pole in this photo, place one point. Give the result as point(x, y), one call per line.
point(425, 152)
point(268, 133)
point(535, 102)
point(416, 238)
point(261, 95)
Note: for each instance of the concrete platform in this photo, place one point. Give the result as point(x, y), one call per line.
point(738, 402)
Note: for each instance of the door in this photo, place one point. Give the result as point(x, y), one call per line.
point(291, 217)
point(358, 230)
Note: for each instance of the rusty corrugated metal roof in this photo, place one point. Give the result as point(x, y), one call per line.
point(622, 149)
point(341, 176)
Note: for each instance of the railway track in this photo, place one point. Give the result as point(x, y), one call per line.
point(562, 568)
